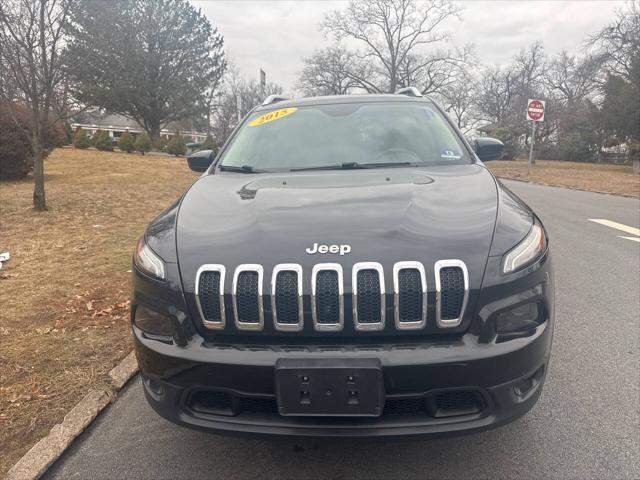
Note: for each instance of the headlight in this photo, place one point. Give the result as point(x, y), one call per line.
point(526, 251)
point(147, 261)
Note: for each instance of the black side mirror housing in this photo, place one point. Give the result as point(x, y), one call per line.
point(200, 161)
point(489, 148)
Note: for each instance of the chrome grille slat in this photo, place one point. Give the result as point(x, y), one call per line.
point(209, 318)
point(416, 307)
point(323, 301)
point(446, 295)
point(369, 315)
point(286, 297)
point(248, 310)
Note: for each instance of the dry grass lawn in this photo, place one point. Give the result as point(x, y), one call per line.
point(64, 293)
point(615, 179)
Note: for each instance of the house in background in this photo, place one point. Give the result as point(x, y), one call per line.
point(115, 125)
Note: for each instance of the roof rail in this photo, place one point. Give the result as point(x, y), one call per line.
point(409, 92)
point(273, 99)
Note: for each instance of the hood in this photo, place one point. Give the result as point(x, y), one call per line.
point(384, 215)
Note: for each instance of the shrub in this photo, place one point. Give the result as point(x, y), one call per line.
point(81, 139)
point(177, 145)
point(16, 157)
point(102, 141)
point(126, 142)
point(510, 136)
point(68, 134)
point(15, 148)
point(143, 143)
point(160, 144)
point(209, 144)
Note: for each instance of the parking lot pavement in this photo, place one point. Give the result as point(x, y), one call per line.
point(586, 424)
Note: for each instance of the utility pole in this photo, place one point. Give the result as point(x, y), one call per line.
point(263, 81)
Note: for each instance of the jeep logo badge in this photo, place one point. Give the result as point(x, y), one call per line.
point(341, 249)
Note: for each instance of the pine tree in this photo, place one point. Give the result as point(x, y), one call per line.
point(177, 145)
point(81, 139)
point(126, 142)
point(68, 134)
point(102, 141)
point(143, 143)
point(209, 144)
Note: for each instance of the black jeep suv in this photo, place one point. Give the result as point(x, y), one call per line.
point(346, 266)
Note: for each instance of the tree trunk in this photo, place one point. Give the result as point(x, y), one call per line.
point(39, 201)
point(636, 167)
point(154, 130)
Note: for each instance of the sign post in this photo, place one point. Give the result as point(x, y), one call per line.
point(535, 113)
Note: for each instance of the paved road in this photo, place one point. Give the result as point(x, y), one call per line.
point(586, 425)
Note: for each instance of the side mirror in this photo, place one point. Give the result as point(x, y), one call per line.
point(200, 161)
point(488, 148)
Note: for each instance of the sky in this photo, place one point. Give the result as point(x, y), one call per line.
point(276, 35)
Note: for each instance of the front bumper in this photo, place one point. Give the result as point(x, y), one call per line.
point(506, 378)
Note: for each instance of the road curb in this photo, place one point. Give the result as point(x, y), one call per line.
point(626, 195)
point(122, 373)
point(43, 454)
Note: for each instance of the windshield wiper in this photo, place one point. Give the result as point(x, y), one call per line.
point(238, 169)
point(353, 166)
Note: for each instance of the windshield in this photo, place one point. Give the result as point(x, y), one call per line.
point(355, 135)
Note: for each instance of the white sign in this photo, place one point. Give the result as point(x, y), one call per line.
point(535, 110)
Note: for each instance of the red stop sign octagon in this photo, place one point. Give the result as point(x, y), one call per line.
point(535, 110)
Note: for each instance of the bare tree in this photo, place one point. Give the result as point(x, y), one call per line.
point(333, 71)
point(497, 91)
point(434, 72)
point(572, 78)
point(619, 42)
point(458, 98)
point(238, 97)
point(391, 34)
point(31, 40)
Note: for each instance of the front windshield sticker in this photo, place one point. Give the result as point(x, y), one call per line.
point(271, 116)
point(450, 154)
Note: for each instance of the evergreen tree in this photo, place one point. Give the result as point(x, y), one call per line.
point(143, 143)
point(126, 142)
point(177, 145)
point(209, 144)
point(102, 141)
point(68, 134)
point(81, 139)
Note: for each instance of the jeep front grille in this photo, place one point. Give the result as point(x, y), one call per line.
point(368, 296)
point(452, 290)
point(327, 297)
point(247, 297)
point(285, 296)
point(210, 295)
point(410, 295)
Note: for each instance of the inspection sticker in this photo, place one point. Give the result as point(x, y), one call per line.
point(271, 116)
point(450, 154)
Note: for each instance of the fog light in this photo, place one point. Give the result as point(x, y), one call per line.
point(523, 318)
point(153, 323)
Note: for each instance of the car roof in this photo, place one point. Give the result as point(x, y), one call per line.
point(341, 99)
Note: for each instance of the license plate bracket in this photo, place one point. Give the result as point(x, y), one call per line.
point(329, 387)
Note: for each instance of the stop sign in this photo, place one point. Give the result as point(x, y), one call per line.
point(535, 110)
